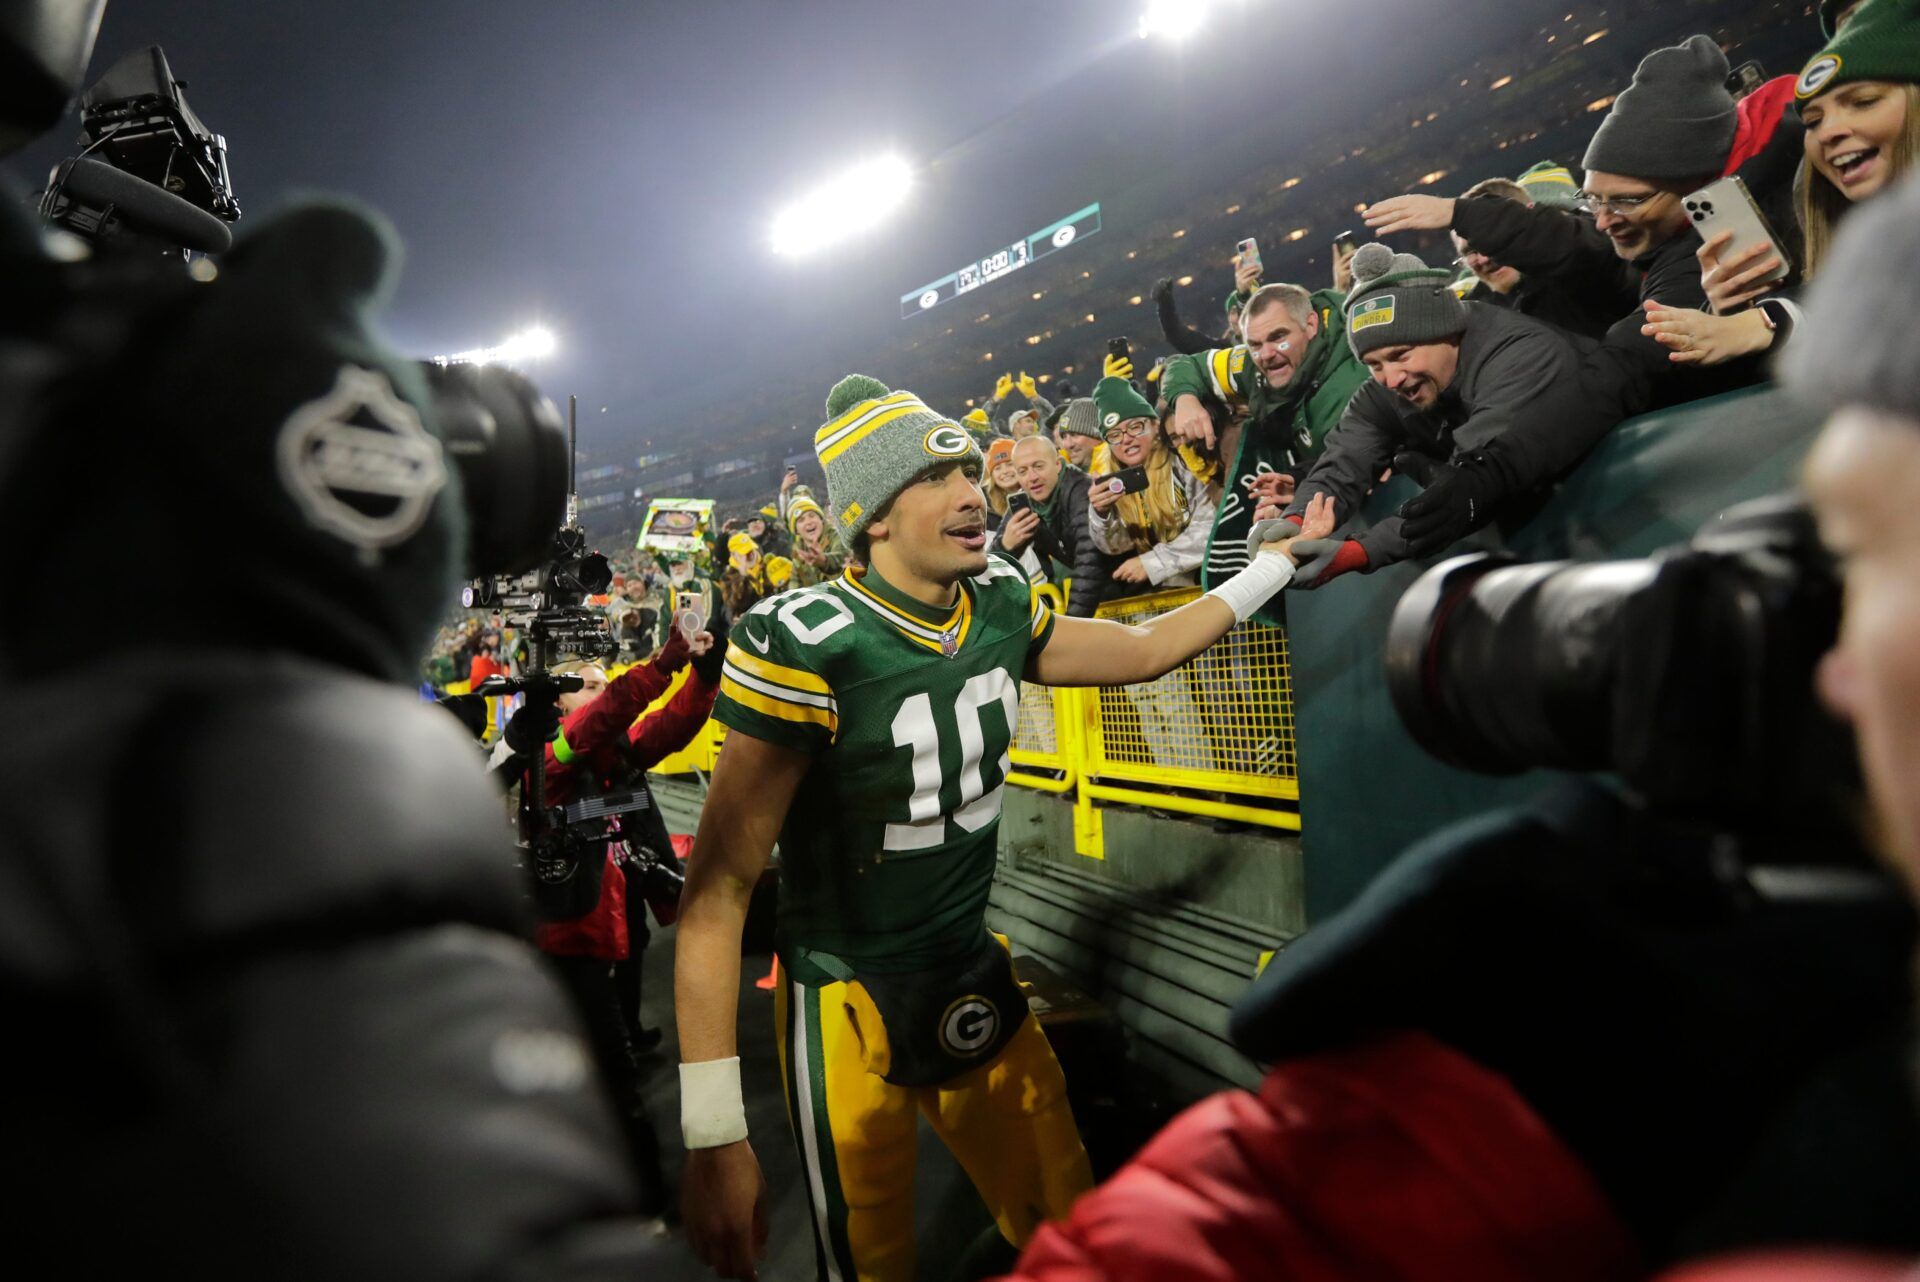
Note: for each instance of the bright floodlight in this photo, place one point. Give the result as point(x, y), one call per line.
point(855, 201)
point(532, 344)
point(1173, 19)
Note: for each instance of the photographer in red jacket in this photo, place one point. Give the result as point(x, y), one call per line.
point(604, 744)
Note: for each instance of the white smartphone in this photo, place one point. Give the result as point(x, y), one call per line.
point(690, 613)
point(1726, 205)
point(1249, 251)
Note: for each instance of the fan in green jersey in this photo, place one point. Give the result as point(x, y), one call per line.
point(871, 718)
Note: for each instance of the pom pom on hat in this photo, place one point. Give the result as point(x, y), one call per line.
point(1370, 262)
point(851, 390)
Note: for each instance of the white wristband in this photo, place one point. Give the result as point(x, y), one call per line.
point(1256, 585)
point(711, 1110)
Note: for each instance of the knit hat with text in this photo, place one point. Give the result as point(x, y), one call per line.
point(1397, 298)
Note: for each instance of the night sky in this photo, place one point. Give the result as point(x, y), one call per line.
point(611, 169)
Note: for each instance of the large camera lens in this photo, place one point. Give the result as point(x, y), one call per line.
point(1690, 673)
point(511, 448)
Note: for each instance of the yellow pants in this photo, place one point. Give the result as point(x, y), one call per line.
point(1007, 1122)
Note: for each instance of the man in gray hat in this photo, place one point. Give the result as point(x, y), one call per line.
point(1468, 398)
point(1076, 426)
point(1669, 133)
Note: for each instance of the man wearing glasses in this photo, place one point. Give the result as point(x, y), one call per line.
point(1501, 212)
point(1669, 133)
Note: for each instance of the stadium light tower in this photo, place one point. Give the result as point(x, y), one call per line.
point(1172, 19)
point(856, 200)
point(534, 343)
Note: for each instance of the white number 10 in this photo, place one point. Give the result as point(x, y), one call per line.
point(913, 727)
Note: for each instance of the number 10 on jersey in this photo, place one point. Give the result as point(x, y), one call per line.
point(915, 728)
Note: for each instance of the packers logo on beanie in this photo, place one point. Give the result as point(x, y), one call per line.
point(875, 441)
point(1397, 299)
point(1881, 42)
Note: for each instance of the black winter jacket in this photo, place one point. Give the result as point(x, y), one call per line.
point(263, 932)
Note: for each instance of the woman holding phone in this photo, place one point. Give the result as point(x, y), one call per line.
point(1153, 511)
point(1860, 103)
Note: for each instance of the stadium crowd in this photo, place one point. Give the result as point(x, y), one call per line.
point(1445, 1128)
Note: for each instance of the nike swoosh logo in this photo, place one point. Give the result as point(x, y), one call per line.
point(756, 642)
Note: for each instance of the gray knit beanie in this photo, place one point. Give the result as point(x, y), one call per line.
point(1676, 120)
point(1858, 345)
point(1081, 417)
point(875, 442)
point(1396, 299)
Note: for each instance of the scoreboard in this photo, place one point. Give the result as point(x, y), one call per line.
point(1002, 262)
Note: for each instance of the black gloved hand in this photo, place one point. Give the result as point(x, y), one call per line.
point(1654, 1015)
point(1458, 499)
point(1162, 289)
point(470, 710)
point(536, 724)
point(707, 666)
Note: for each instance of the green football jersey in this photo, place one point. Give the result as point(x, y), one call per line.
point(887, 852)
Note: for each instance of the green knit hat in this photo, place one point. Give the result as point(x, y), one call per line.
point(1552, 184)
point(1396, 298)
point(875, 442)
point(1881, 42)
point(1117, 402)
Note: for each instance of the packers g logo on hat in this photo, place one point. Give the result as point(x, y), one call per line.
point(1821, 70)
point(948, 440)
point(1111, 419)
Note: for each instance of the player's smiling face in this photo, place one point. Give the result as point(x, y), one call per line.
point(935, 529)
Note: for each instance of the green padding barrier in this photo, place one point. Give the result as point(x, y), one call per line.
point(1366, 791)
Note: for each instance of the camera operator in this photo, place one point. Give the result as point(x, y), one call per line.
point(1564, 1040)
point(261, 929)
point(604, 743)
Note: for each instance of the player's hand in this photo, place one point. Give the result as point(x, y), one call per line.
point(1190, 422)
point(1002, 387)
point(1410, 213)
point(1246, 276)
point(1733, 283)
point(1102, 495)
point(1318, 520)
point(1028, 388)
point(723, 1198)
point(1272, 487)
point(1116, 366)
point(1019, 530)
point(1131, 570)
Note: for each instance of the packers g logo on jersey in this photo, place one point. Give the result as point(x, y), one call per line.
point(968, 1026)
point(948, 441)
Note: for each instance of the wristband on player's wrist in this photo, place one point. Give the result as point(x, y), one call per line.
point(711, 1110)
point(1266, 574)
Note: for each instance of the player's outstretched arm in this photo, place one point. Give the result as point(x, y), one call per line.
point(723, 1195)
point(1100, 652)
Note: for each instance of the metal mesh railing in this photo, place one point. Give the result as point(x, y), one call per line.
point(1222, 722)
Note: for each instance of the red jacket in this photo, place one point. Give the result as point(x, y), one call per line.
point(603, 932)
point(1398, 1159)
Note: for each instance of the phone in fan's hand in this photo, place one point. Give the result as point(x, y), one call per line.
point(1249, 253)
point(690, 613)
point(1343, 243)
point(1129, 480)
point(1745, 78)
point(1726, 205)
point(1018, 502)
point(1120, 349)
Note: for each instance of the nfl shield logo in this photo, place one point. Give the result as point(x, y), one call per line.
point(950, 642)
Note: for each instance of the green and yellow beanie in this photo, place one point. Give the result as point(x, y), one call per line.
point(1881, 42)
point(802, 502)
point(1550, 183)
point(875, 442)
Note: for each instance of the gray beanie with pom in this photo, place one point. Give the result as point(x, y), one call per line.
point(875, 442)
point(1397, 299)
